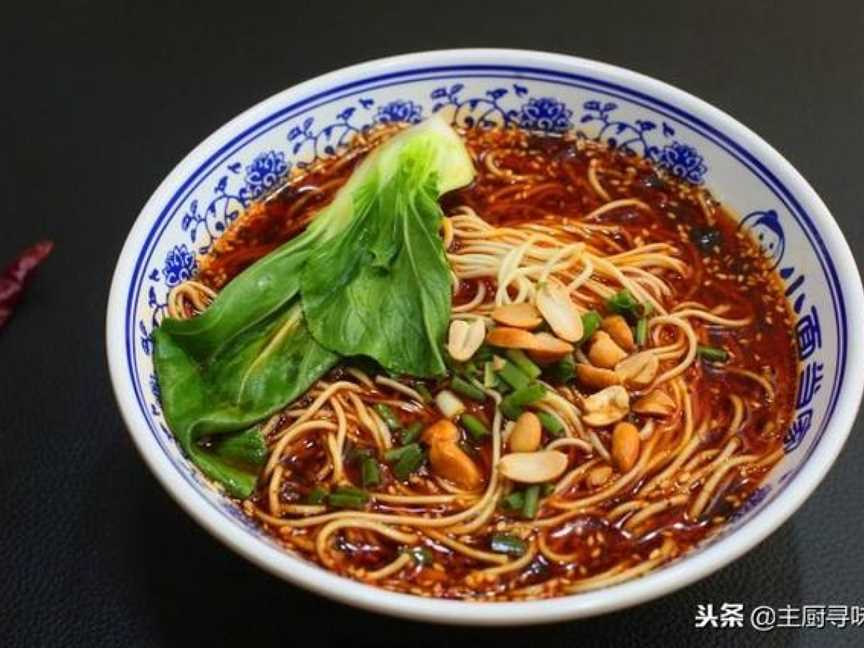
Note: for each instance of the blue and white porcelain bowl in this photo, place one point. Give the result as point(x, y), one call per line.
point(546, 92)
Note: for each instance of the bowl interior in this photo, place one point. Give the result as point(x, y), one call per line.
point(255, 152)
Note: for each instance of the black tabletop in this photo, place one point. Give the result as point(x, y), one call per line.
point(100, 102)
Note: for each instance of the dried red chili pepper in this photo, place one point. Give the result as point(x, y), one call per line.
point(17, 275)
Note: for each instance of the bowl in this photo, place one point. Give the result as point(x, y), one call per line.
point(250, 155)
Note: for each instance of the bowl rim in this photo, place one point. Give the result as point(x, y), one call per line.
point(683, 572)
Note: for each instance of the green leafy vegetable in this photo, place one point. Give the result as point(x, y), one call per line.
point(382, 287)
point(251, 352)
point(218, 398)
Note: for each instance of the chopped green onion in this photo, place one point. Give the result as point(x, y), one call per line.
point(370, 474)
point(512, 404)
point(550, 423)
point(483, 354)
point(490, 379)
point(546, 489)
point(513, 375)
point(395, 454)
point(449, 404)
point(642, 331)
point(411, 433)
point(476, 428)
point(624, 303)
point(521, 360)
point(316, 496)
point(714, 354)
point(590, 323)
point(562, 371)
point(467, 389)
point(348, 497)
point(504, 543)
point(405, 460)
point(423, 390)
point(510, 410)
point(514, 501)
point(388, 416)
point(526, 395)
point(420, 555)
point(471, 369)
point(530, 505)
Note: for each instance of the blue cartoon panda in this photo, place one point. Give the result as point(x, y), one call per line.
point(765, 228)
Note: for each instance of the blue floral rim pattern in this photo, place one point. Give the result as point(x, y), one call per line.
point(536, 113)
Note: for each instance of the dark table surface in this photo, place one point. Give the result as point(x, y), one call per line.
point(101, 101)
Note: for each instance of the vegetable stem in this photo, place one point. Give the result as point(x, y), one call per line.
point(642, 331)
point(504, 543)
point(513, 375)
point(550, 423)
point(590, 323)
point(369, 472)
point(388, 416)
point(713, 354)
point(523, 362)
point(411, 433)
point(476, 428)
point(462, 386)
point(531, 502)
point(405, 460)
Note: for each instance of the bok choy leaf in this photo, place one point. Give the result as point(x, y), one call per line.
point(382, 287)
point(251, 352)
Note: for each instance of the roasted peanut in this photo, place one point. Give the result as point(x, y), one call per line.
point(464, 339)
point(447, 459)
point(511, 338)
point(638, 370)
point(442, 431)
point(533, 467)
point(599, 475)
point(604, 352)
point(559, 311)
point(655, 403)
point(625, 446)
point(548, 348)
point(620, 332)
point(606, 406)
point(526, 434)
point(595, 377)
point(524, 315)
